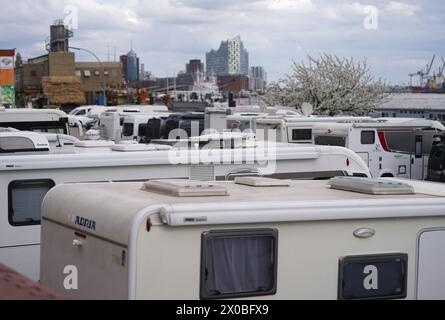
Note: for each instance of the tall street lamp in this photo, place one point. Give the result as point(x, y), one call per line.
point(102, 67)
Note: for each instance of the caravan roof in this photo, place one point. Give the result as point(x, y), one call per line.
point(241, 204)
point(382, 123)
point(28, 115)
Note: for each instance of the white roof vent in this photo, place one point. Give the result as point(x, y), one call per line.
point(185, 188)
point(261, 182)
point(139, 147)
point(371, 186)
point(94, 144)
point(17, 141)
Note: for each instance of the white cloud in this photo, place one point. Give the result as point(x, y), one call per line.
point(401, 8)
point(166, 33)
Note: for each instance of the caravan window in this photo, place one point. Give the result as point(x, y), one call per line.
point(239, 264)
point(301, 134)
point(25, 201)
point(368, 137)
point(330, 141)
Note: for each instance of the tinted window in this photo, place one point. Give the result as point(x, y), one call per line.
point(239, 264)
point(301, 134)
point(330, 141)
point(81, 112)
point(368, 137)
point(25, 201)
point(50, 130)
point(128, 130)
point(401, 141)
point(142, 130)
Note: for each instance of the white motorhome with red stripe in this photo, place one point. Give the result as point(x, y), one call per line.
point(391, 147)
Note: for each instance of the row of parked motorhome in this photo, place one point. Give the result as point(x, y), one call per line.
point(124, 213)
point(30, 167)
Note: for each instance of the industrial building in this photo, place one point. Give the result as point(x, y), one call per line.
point(57, 79)
point(413, 105)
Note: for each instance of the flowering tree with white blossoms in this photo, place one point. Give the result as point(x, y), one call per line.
point(333, 85)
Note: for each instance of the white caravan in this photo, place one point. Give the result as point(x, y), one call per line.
point(28, 170)
point(391, 147)
point(256, 238)
point(37, 120)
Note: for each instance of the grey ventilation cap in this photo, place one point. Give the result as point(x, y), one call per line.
point(371, 186)
point(185, 188)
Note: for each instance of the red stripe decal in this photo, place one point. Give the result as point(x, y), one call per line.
point(382, 139)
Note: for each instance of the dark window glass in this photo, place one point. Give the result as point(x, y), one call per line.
point(142, 130)
point(25, 201)
point(301, 134)
point(368, 137)
point(400, 141)
point(239, 264)
point(128, 130)
point(330, 141)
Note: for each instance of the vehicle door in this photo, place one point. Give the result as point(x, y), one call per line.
point(417, 159)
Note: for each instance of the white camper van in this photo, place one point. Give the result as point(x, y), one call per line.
point(135, 125)
point(112, 122)
point(30, 167)
point(390, 147)
point(37, 120)
point(184, 240)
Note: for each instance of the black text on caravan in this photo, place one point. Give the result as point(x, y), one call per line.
point(89, 224)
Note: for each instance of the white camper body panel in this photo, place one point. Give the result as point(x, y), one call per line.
point(135, 237)
point(292, 129)
point(101, 164)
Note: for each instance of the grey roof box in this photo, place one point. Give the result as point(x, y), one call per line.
point(371, 186)
point(185, 188)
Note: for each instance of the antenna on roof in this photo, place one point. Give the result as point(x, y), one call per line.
point(307, 109)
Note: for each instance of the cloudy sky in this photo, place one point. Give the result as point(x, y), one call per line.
point(167, 33)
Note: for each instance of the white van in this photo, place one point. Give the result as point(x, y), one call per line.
point(112, 123)
point(256, 238)
point(135, 125)
point(37, 120)
point(391, 147)
point(30, 167)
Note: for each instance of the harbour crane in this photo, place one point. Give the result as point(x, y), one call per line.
point(423, 74)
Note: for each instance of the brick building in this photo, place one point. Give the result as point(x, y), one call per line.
point(233, 84)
